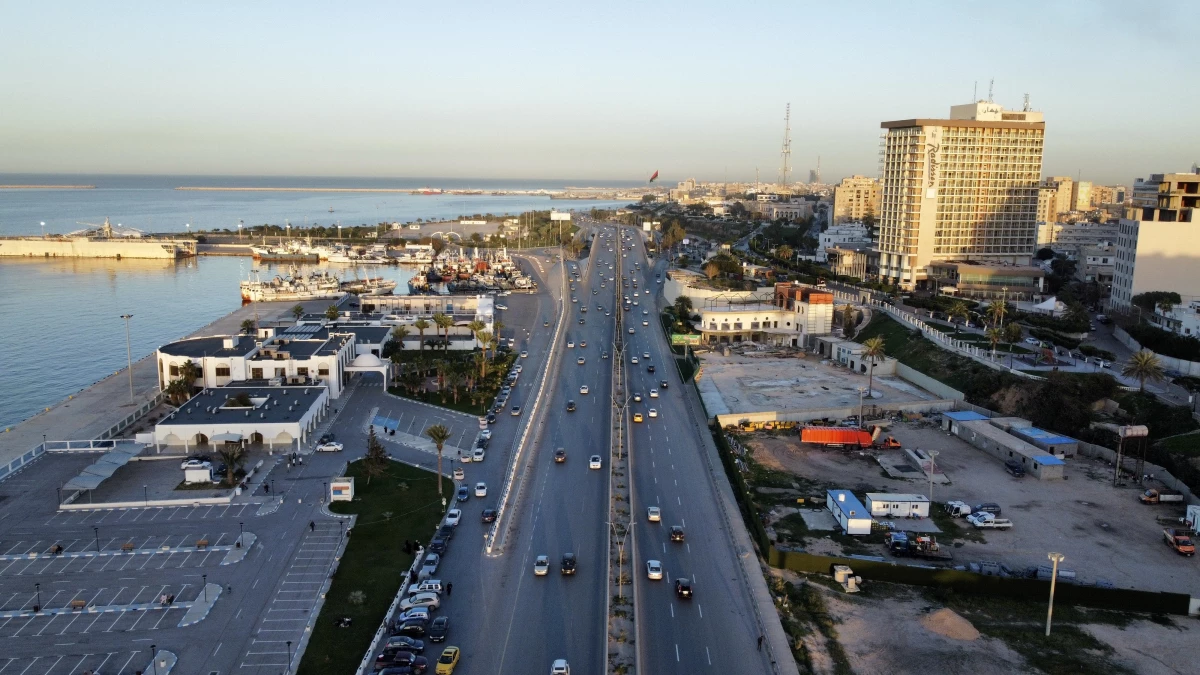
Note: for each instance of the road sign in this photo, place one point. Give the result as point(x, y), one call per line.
point(681, 339)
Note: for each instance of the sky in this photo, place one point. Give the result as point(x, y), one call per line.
point(606, 90)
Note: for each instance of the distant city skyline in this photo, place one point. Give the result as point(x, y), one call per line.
point(612, 93)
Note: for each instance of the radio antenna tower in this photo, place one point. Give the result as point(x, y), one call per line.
point(785, 172)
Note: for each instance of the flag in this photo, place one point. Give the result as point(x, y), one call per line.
point(652, 178)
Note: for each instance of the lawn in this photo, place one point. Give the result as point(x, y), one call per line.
point(485, 392)
point(401, 504)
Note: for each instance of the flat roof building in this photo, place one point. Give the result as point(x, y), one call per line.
point(249, 414)
point(849, 512)
point(886, 505)
point(989, 436)
point(963, 188)
point(856, 197)
point(1158, 244)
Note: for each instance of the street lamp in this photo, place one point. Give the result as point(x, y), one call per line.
point(204, 583)
point(128, 354)
point(43, 229)
point(932, 465)
point(861, 391)
point(153, 656)
point(1054, 558)
point(96, 530)
point(239, 542)
point(38, 606)
point(240, 223)
point(289, 663)
point(146, 495)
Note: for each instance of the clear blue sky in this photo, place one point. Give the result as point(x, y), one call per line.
point(609, 90)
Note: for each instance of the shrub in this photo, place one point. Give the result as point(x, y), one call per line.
point(1051, 336)
point(1092, 350)
point(1166, 343)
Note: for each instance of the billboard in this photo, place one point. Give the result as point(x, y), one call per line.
point(560, 215)
point(681, 339)
point(646, 226)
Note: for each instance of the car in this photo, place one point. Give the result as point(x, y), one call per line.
point(631, 331)
point(683, 588)
point(431, 600)
point(583, 343)
point(607, 314)
point(196, 464)
point(560, 455)
point(483, 441)
point(326, 438)
point(560, 667)
point(463, 494)
point(571, 406)
point(653, 393)
point(1015, 468)
point(429, 566)
point(581, 360)
point(574, 299)
point(570, 344)
point(635, 303)
point(453, 517)
point(501, 306)
point(650, 368)
point(634, 360)
point(481, 489)
point(448, 660)
point(647, 291)
point(524, 355)
point(541, 566)
point(438, 629)
point(567, 566)
point(488, 515)
point(987, 507)
point(604, 355)
point(581, 321)
point(545, 324)
point(645, 312)
point(439, 544)
point(478, 455)
point(512, 342)
point(654, 569)
point(652, 412)
point(594, 462)
point(486, 434)
point(637, 417)
point(583, 389)
point(1032, 341)
point(637, 398)
point(645, 323)
point(518, 368)
point(516, 411)
point(411, 613)
point(405, 643)
point(412, 627)
point(654, 514)
point(664, 384)
point(405, 663)
point(676, 533)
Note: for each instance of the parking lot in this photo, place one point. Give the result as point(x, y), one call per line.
point(1105, 533)
point(153, 514)
point(123, 662)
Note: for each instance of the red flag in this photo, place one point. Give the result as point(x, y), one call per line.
point(654, 177)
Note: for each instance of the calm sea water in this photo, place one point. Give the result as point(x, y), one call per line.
point(61, 326)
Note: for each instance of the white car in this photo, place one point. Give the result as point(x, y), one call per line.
point(652, 412)
point(524, 355)
point(560, 666)
point(645, 323)
point(583, 389)
point(645, 312)
point(631, 331)
point(634, 360)
point(481, 489)
point(453, 516)
point(486, 433)
point(431, 600)
point(478, 455)
point(647, 291)
point(645, 355)
point(581, 360)
point(501, 306)
point(654, 514)
point(635, 303)
point(331, 446)
point(518, 368)
point(195, 464)
point(570, 344)
point(653, 393)
point(594, 462)
point(654, 569)
point(1032, 341)
point(541, 566)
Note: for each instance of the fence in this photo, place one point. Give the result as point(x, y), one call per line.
point(1160, 474)
point(1168, 362)
point(963, 581)
point(133, 416)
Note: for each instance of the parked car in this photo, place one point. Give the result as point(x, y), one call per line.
point(406, 643)
point(1014, 467)
point(438, 629)
point(431, 600)
point(331, 446)
point(429, 567)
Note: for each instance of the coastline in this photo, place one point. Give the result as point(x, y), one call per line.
point(47, 187)
point(417, 191)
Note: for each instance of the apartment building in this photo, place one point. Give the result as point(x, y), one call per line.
point(1081, 196)
point(855, 197)
point(1071, 238)
point(963, 188)
point(1158, 242)
point(1096, 263)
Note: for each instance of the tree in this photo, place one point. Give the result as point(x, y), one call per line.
point(375, 463)
point(248, 326)
point(399, 333)
point(1012, 333)
point(476, 326)
point(711, 270)
point(439, 435)
point(873, 351)
point(994, 335)
point(958, 310)
point(848, 322)
point(298, 311)
point(331, 312)
point(998, 310)
point(234, 456)
point(486, 340)
point(444, 321)
point(784, 252)
point(1165, 307)
point(1144, 365)
point(421, 325)
point(1044, 254)
point(683, 310)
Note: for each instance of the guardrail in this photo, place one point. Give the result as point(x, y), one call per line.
point(134, 416)
point(519, 443)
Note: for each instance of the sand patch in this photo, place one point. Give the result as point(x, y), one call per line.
point(947, 623)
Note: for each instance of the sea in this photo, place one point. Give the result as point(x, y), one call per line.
point(60, 325)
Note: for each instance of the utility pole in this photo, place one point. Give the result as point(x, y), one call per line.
point(128, 354)
point(785, 169)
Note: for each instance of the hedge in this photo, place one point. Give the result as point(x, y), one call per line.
point(1051, 336)
point(1166, 343)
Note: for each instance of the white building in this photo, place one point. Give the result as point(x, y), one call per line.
point(795, 315)
point(791, 211)
point(405, 310)
point(885, 505)
point(1184, 319)
point(1158, 245)
point(280, 418)
point(848, 511)
point(848, 235)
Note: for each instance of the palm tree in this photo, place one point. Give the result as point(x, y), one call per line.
point(331, 312)
point(873, 350)
point(784, 252)
point(421, 325)
point(476, 326)
point(994, 335)
point(234, 456)
point(1144, 365)
point(298, 311)
point(485, 340)
point(455, 379)
point(444, 322)
point(998, 309)
point(248, 326)
point(399, 333)
point(958, 310)
point(439, 435)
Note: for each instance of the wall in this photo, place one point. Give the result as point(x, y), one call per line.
point(1168, 362)
point(809, 414)
point(928, 383)
point(90, 248)
point(1160, 474)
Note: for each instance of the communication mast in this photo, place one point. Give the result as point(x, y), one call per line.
point(785, 171)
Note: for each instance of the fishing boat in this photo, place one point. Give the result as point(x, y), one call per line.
point(368, 285)
point(292, 287)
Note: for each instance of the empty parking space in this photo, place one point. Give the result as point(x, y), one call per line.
point(146, 553)
point(125, 662)
point(153, 514)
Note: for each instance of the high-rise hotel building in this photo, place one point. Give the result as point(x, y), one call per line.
point(960, 189)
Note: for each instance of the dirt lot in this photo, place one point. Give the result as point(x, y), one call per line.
point(896, 630)
point(1105, 533)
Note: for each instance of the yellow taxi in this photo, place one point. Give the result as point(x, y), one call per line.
point(637, 417)
point(447, 661)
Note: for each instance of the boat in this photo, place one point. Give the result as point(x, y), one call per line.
point(369, 286)
point(291, 288)
point(415, 254)
point(292, 252)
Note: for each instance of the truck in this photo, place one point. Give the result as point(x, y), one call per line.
point(1180, 541)
point(912, 545)
point(986, 521)
point(958, 509)
point(1161, 497)
point(842, 437)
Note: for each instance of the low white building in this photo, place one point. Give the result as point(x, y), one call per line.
point(882, 504)
point(1184, 319)
point(405, 310)
point(848, 511)
point(795, 315)
point(791, 210)
point(279, 418)
point(846, 233)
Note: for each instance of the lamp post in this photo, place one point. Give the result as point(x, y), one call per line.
point(240, 224)
point(1054, 558)
point(43, 442)
point(861, 391)
point(128, 354)
point(96, 531)
point(153, 656)
point(38, 606)
point(43, 229)
point(932, 466)
point(239, 534)
point(289, 663)
point(204, 583)
point(146, 495)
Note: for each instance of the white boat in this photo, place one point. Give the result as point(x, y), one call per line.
point(291, 288)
